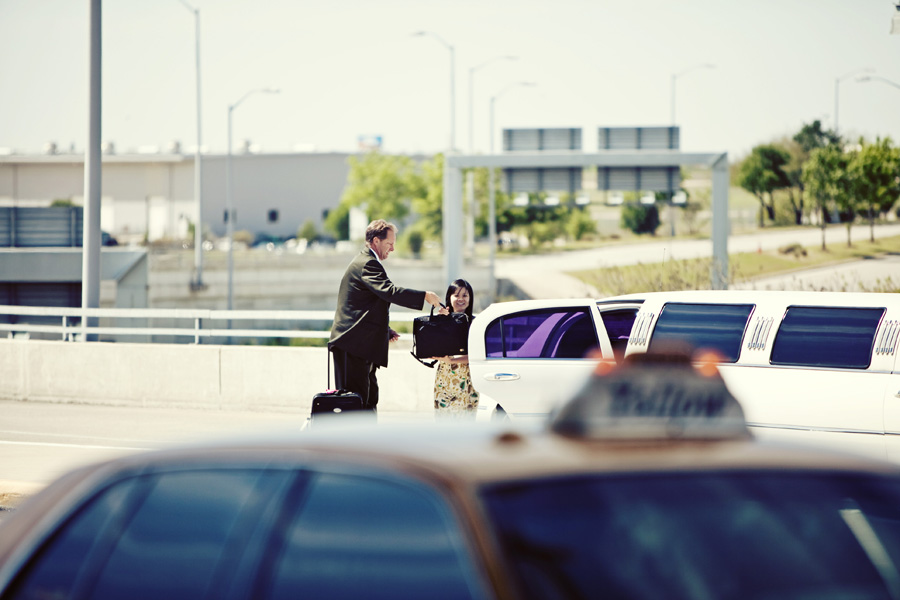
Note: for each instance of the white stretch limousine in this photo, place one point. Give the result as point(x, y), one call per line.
point(809, 366)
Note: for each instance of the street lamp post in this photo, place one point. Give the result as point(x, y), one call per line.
point(675, 77)
point(197, 282)
point(470, 176)
point(492, 201)
point(472, 71)
point(837, 86)
point(452, 84)
point(229, 197)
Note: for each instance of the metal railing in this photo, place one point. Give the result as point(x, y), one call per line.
point(81, 324)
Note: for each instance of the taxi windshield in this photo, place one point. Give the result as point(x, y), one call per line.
point(709, 535)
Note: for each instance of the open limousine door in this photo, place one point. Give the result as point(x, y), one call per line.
point(528, 356)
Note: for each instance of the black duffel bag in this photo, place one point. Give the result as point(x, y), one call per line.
point(440, 335)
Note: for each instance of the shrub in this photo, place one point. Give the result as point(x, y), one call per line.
point(640, 218)
point(580, 224)
point(539, 233)
point(415, 240)
point(242, 235)
point(793, 249)
point(308, 231)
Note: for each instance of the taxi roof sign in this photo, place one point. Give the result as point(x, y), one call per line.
point(654, 396)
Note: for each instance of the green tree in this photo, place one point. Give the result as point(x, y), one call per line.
point(794, 171)
point(482, 200)
point(827, 181)
point(762, 173)
point(873, 175)
point(337, 223)
point(384, 183)
point(810, 137)
point(427, 189)
point(507, 213)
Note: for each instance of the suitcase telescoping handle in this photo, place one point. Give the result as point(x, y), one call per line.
point(328, 370)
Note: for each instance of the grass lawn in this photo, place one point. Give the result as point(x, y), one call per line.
point(693, 274)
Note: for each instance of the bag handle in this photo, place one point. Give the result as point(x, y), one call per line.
point(429, 365)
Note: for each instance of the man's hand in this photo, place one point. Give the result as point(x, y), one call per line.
point(433, 299)
point(394, 336)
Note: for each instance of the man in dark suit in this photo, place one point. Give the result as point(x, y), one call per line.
point(361, 333)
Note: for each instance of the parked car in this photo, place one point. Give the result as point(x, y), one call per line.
point(647, 484)
point(815, 366)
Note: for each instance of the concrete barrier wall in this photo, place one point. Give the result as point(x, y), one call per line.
point(183, 375)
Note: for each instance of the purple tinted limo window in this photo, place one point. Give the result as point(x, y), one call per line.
point(559, 333)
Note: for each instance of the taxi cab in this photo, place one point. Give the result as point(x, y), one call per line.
point(647, 484)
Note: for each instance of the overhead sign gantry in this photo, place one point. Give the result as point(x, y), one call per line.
point(629, 158)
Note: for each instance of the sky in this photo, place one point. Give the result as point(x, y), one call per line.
point(351, 68)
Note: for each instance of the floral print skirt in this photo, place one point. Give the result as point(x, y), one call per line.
point(454, 396)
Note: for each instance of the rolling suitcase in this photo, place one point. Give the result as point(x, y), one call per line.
point(333, 401)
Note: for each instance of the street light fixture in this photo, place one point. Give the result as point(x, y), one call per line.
point(492, 203)
point(229, 200)
point(837, 86)
point(876, 78)
point(675, 77)
point(452, 83)
point(197, 282)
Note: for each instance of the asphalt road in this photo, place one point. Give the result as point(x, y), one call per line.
point(41, 441)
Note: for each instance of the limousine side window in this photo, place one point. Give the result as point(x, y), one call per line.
point(714, 326)
point(553, 333)
point(618, 324)
point(826, 337)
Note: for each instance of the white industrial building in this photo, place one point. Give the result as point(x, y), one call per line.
point(153, 194)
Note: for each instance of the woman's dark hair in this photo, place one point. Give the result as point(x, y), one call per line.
point(455, 287)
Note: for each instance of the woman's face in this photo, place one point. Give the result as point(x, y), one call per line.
point(460, 300)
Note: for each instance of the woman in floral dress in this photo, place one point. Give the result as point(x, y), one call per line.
point(454, 396)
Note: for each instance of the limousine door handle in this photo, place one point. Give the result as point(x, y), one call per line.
point(501, 376)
